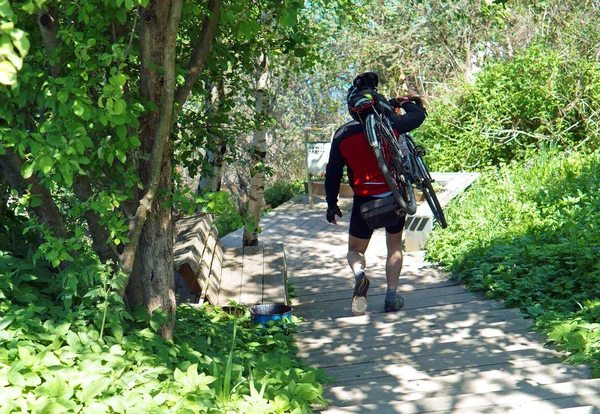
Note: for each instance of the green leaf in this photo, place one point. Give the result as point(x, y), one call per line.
point(134, 141)
point(45, 163)
point(8, 73)
point(5, 321)
point(122, 16)
point(121, 156)
point(289, 18)
point(20, 41)
point(122, 131)
point(87, 141)
point(119, 106)
point(6, 10)
point(15, 378)
point(55, 140)
point(79, 109)
point(27, 170)
point(35, 201)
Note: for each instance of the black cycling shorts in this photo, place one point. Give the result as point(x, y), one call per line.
point(359, 227)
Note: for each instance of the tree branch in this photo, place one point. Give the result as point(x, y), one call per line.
point(49, 30)
point(200, 52)
point(100, 235)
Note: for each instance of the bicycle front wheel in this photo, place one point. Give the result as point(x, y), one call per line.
point(434, 203)
point(425, 185)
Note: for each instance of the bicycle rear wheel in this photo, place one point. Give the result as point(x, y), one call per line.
point(390, 162)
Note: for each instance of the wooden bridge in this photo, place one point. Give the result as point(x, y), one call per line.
point(447, 351)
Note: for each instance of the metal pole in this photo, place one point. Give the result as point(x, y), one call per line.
point(308, 175)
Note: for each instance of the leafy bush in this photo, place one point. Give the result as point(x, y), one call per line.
point(57, 355)
point(538, 99)
point(528, 233)
point(282, 191)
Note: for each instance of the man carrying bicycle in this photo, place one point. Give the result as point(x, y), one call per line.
point(350, 148)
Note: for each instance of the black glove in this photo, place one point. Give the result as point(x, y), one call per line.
point(397, 102)
point(419, 102)
point(332, 212)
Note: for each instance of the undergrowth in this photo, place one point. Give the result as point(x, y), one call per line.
point(57, 354)
point(530, 234)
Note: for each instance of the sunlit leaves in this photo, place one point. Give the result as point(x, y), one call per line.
point(14, 45)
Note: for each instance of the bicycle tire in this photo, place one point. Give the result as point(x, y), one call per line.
point(425, 185)
point(434, 203)
point(398, 181)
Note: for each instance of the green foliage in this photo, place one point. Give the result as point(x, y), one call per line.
point(14, 45)
point(528, 233)
point(227, 217)
point(56, 355)
point(281, 191)
point(539, 99)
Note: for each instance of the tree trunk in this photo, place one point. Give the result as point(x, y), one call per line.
point(257, 158)
point(155, 247)
point(211, 179)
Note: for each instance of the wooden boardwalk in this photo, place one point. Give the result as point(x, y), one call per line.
point(447, 351)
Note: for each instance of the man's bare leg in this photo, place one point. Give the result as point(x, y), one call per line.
point(393, 264)
point(356, 253)
point(393, 267)
point(356, 259)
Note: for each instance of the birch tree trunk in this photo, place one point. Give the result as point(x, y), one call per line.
point(211, 180)
point(257, 158)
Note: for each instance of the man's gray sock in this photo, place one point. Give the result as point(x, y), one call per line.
point(358, 275)
point(390, 295)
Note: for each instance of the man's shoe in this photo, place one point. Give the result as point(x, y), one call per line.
point(394, 306)
point(359, 298)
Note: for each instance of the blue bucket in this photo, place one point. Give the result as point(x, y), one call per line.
point(270, 312)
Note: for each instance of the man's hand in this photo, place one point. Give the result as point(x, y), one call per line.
point(332, 212)
point(402, 100)
point(417, 101)
point(397, 102)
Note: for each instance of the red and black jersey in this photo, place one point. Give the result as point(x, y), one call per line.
point(350, 148)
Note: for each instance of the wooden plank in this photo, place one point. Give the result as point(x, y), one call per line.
point(344, 292)
point(211, 295)
point(541, 398)
point(535, 372)
point(336, 341)
point(210, 243)
point(275, 275)
point(231, 277)
point(440, 345)
point(341, 307)
point(190, 250)
point(252, 276)
point(399, 367)
point(188, 253)
point(216, 270)
point(448, 316)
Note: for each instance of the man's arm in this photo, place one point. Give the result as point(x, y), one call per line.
point(413, 118)
point(333, 173)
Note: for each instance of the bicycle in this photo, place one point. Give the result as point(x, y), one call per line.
point(400, 160)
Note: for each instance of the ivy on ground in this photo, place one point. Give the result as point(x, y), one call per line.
point(528, 233)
